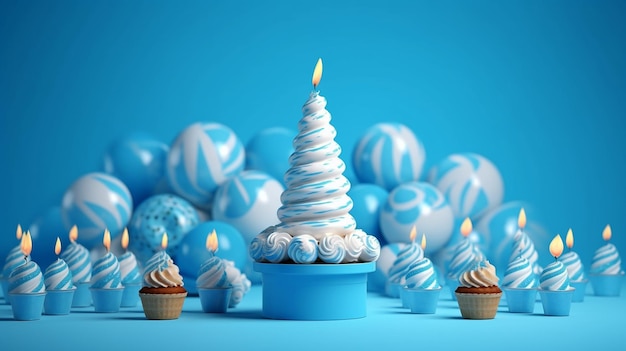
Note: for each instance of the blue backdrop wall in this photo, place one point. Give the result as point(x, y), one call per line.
point(538, 87)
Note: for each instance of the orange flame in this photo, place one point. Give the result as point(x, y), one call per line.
point(569, 239)
point(556, 246)
point(74, 233)
point(211, 242)
point(124, 240)
point(317, 73)
point(606, 233)
point(521, 219)
point(423, 241)
point(26, 244)
point(18, 232)
point(413, 234)
point(164, 241)
point(466, 227)
point(57, 246)
point(106, 240)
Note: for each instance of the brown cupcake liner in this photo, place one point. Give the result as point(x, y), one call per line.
point(478, 306)
point(162, 306)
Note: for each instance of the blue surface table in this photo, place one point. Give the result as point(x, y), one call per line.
point(596, 322)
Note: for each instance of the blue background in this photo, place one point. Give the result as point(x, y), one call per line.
point(538, 87)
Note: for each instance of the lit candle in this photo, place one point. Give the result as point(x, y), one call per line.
point(556, 247)
point(569, 239)
point(164, 242)
point(317, 73)
point(466, 227)
point(73, 234)
point(423, 242)
point(26, 245)
point(212, 242)
point(18, 232)
point(413, 234)
point(521, 219)
point(106, 240)
point(125, 240)
point(606, 233)
point(57, 247)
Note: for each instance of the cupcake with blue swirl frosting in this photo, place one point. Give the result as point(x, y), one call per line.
point(106, 284)
point(27, 289)
point(520, 285)
point(422, 287)
point(575, 269)
point(59, 288)
point(606, 273)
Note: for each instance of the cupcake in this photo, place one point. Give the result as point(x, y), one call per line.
point(77, 258)
point(525, 247)
point(398, 270)
point(554, 289)
point(14, 259)
point(520, 286)
point(239, 282)
point(422, 287)
point(463, 259)
point(27, 291)
point(162, 295)
point(131, 278)
point(106, 283)
point(478, 293)
point(575, 270)
point(59, 286)
point(606, 272)
point(213, 286)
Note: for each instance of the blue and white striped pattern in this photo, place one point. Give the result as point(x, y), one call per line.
point(14, 259)
point(463, 259)
point(406, 257)
point(554, 277)
point(519, 275)
point(574, 265)
point(26, 279)
point(388, 154)
point(421, 275)
point(129, 269)
point(525, 247)
point(212, 274)
point(77, 258)
point(606, 260)
point(202, 157)
point(58, 276)
point(106, 273)
point(95, 202)
point(332, 249)
point(303, 249)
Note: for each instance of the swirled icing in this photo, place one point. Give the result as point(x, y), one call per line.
point(303, 249)
point(354, 247)
point(239, 282)
point(407, 256)
point(212, 274)
point(161, 272)
point(482, 275)
point(606, 260)
point(463, 259)
point(574, 266)
point(26, 279)
point(77, 258)
point(371, 248)
point(58, 276)
point(106, 273)
point(519, 274)
point(554, 277)
point(332, 249)
point(421, 275)
point(129, 269)
point(275, 248)
point(524, 246)
point(14, 259)
point(257, 246)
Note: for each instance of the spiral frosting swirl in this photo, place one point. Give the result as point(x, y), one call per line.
point(129, 269)
point(407, 256)
point(77, 258)
point(239, 282)
point(303, 249)
point(606, 260)
point(421, 275)
point(161, 272)
point(106, 273)
point(354, 247)
point(463, 259)
point(482, 275)
point(14, 259)
point(371, 248)
point(332, 249)
point(26, 279)
point(574, 266)
point(212, 274)
point(275, 247)
point(519, 275)
point(525, 247)
point(58, 276)
point(554, 277)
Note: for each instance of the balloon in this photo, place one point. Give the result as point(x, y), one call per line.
point(367, 201)
point(269, 150)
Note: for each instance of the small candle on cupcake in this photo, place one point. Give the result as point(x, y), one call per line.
point(606, 272)
point(77, 258)
point(575, 269)
point(106, 280)
point(59, 286)
point(422, 286)
point(554, 288)
point(520, 285)
point(212, 282)
point(524, 245)
point(27, 291)
point(131, 277)
point(464, 257)
point(12, 261)
point(398, 270)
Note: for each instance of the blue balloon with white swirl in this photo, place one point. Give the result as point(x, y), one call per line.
point(95, 202)
point(471, 183)
point(249, 202)
point(421, 205)
point(203, 156)
point(388, 154)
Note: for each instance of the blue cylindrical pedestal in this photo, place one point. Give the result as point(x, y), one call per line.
point(314, 291)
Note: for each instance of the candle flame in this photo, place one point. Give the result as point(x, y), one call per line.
point(26, 244)
point(74, 233)
point(413, 234)
point(57, 246)
point(18, 232)
point(124, 240)
point(521, 219)
point(423, 241)
point(317, 73)
point(106, 240)
point(466, 227)
point(164, 241)
point(569, 239)
point(556, 246)
point(606, 233)
point(211, 242)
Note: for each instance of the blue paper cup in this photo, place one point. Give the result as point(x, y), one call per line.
point(107, 300)
point(215, 300)
point(556, 303)
point(27, 307)
point(130, 297)
point(404, 298)
point(422, 301)
point(579, 290)
point(606, 284)
point(521, 300)
point(393, 289)
point(452, 284)
point(82, 295)
point(58, 301)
